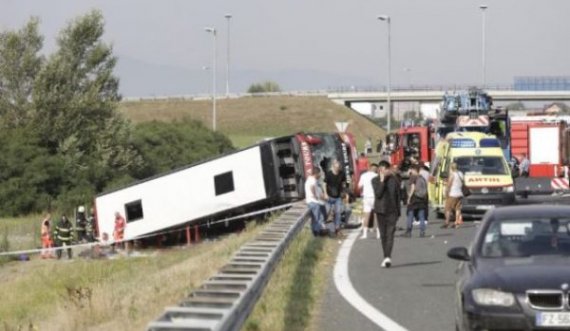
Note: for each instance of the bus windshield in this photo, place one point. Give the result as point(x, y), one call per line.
point(481, 165)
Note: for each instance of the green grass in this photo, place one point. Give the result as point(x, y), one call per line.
point(21, 232)
point(292, 298)
point(120, 294)
point(249, 119)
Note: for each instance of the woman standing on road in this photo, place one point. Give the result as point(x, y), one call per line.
point(454, 196)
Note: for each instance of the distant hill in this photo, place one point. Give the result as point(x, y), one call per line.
point(249, 119)
point(139, 79)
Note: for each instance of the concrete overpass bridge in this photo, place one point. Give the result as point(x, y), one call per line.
point(436, 96)
point(373, 103)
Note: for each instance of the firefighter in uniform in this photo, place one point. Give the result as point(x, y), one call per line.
point(47, 242)
point(63, 235)
point(81, 224)
point(90, 226)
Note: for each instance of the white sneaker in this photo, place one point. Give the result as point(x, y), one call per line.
point(364, 234)
point(387, 263)
point(377, 233)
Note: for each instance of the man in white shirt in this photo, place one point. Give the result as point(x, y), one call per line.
point(365, 186)
point(524, 166)
point(314, 196)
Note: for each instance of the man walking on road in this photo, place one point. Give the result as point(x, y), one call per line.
point(387, 207)
point(416, 201)
point(365, 186)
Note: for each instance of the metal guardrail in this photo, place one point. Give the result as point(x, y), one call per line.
point(224, 301)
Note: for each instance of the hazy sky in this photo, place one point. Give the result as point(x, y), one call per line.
point(440, 40)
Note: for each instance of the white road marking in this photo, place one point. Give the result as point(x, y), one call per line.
point(349, 293)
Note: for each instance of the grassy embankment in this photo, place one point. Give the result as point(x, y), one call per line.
point(292, 298)
point(119, 294)
point(250, 119)
point(19, 233)
point(114, 294)
point(127, 292)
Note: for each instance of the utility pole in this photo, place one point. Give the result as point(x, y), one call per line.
point(387, 19)
point(483, 46)
point(228, 17)
point(214, 55)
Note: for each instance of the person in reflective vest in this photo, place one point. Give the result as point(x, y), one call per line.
point(47, 242)
point(119, 232)
point(64, 235)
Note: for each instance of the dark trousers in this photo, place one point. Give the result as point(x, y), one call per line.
point(387, 225)
point(60, 251)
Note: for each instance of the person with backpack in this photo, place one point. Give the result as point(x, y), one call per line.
point(416, 201)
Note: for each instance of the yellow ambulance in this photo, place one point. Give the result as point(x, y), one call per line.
point(486, 172)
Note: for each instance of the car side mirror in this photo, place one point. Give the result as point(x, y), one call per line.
point(459, 253)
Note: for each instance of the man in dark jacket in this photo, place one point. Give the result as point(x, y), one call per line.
point(387, 207)
point(64, 235)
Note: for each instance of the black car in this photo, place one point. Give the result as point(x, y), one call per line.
point(516, 274)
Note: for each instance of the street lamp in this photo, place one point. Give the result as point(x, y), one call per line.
point(214, 55)
point(483, 41)
point(228, 17)
point(206, 69)
point(386, 18)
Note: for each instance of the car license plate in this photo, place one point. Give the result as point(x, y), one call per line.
point(553, 319)
point(485, 207)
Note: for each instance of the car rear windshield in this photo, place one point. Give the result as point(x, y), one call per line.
point(481, 165)
point(527, 237)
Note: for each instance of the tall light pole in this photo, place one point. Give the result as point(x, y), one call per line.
point(206, 69)
point(386, 18)
point(214, 55)
point(228, 17)
point(483, 44)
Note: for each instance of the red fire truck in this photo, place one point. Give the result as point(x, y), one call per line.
point(409, 142)
point(546, 142)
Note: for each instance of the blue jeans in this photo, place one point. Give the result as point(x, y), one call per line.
point(421, 218)
point(318, 213)
point(337, 204)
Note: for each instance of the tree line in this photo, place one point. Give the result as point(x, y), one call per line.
point(62, 140)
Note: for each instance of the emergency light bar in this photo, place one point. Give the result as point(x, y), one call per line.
point(489, 142)
point(463, 143)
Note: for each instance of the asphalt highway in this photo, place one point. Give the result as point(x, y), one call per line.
point(417, 292)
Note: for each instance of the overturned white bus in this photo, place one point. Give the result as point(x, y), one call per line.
point(269, 173)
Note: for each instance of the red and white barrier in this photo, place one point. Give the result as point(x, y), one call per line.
point(559, 184)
